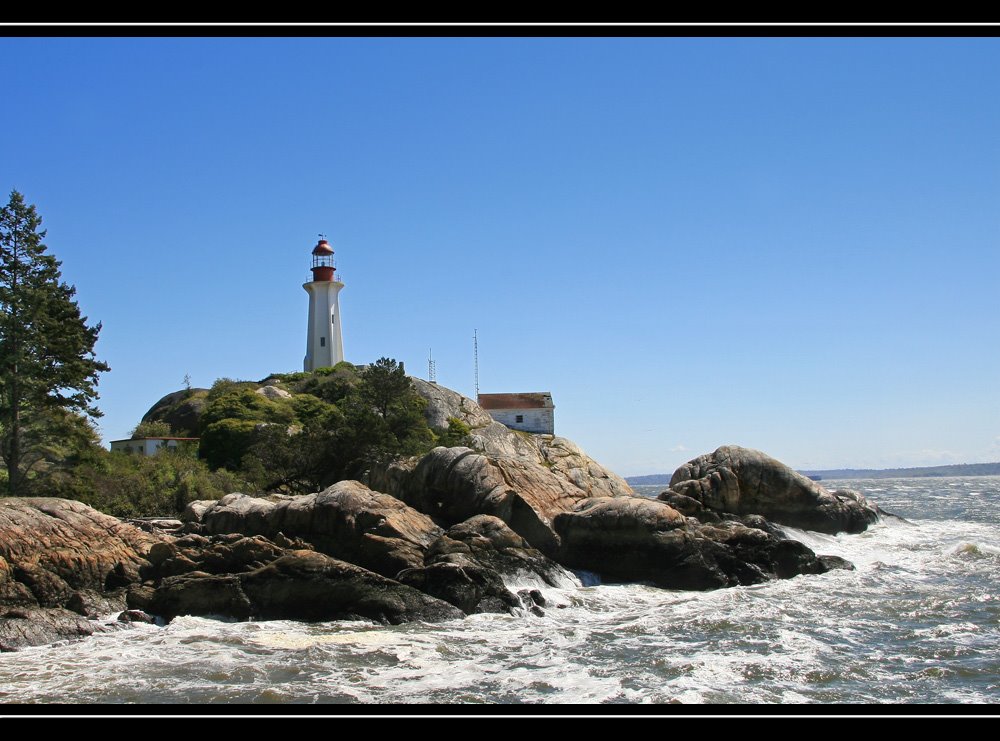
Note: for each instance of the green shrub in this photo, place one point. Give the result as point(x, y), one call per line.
point(225, 385)
point(128, 485)
point(153, 428)
point(338, 422)
point(224, 443)
point(457, 433)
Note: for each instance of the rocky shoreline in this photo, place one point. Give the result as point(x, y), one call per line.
point(428, 539)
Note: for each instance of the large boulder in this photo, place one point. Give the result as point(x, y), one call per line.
point(638, 539)
point(299, 585)
point(498, 440)
point(54, 547)
point(348, 521)
point(444, 404)
point(218, 554)
point(181, 410)
point(36, 626)
point(478, 563)
point(489, 542)
point(60, 563)
point(273, 393)
point(454, 484)
point(566, 459)
point(744, 481)
point(562, 456)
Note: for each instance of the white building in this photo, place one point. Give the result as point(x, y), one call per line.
point(150, 445)
point(324, 343)
point(529, 412)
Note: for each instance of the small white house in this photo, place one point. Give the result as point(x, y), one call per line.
point(530, 412)
point(150, 445)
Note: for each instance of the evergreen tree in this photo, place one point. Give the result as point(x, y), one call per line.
point(47, 362)
point(384, 385)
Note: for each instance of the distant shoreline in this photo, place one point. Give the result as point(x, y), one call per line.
point(958, 469)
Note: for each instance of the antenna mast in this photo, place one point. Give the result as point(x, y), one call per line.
point(431, 368)
point(475, 352)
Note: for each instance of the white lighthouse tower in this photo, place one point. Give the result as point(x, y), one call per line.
point(324, 343)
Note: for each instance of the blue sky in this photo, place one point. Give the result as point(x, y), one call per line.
point(787, 244)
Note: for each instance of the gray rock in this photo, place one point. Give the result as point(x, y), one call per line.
point(499, 440)
point(443, 403)
point(347, 521)
point(218, 554)
point(638, 539)
point(454, 484)
point(565, 458)
point(195, 510)
point(182, 410)
point(472, 564)
point(158, 525)
point(300, 585)
point(471, 588)
point(273, 393)
point(743, 481)
point(94, 605)
point(36, 626)
point(135, 616)
point(490, 543)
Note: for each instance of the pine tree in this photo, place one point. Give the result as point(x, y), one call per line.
point(47, 363)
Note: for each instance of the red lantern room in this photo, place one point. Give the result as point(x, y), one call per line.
point(322, 267)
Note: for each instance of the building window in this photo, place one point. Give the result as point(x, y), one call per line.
point(322, 341)
point(519, 418)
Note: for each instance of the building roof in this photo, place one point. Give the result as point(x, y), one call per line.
point(525, 400)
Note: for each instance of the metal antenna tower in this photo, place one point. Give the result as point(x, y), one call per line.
point(475, 353)
point(431, 368)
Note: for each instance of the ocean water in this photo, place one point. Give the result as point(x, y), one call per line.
point(918, 621)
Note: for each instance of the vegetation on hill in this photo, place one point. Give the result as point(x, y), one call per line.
point(291, 433)
point(134, 485)
point(314, 429)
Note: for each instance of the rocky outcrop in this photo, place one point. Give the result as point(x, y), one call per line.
point(460, 530)
point(218, 554)
point(476, 563)
point(54, 547)
point(637, 539)
point(348, 521)
point(444, 404)
point(566, 459)
point(36, 626)
point(743, 481)
point(453, 484)
point(181, 410)
point(299, 585)
point(561, 456)
point(492, 544)
point(273, 393)
point(60, 563)
point(498, 440)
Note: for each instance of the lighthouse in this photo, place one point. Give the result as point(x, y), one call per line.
point(324, 344)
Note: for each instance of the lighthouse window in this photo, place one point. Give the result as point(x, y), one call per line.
point(322, 341)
